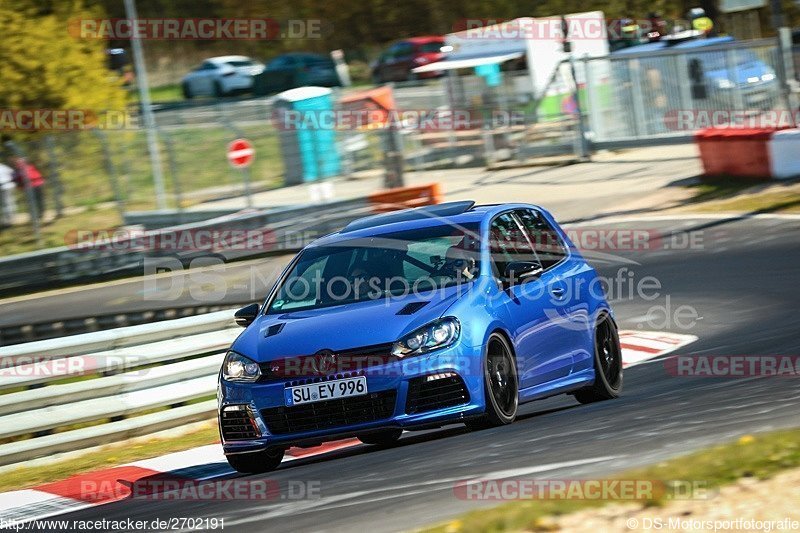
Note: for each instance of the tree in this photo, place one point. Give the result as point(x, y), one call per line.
point(44, 66)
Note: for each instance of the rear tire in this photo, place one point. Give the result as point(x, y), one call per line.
point(256, 462)
point(385, 437)
point(607, 364)
point(187, 91)
point(500, 385)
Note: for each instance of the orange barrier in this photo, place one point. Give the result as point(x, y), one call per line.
point(741, 153)
point(405, 197)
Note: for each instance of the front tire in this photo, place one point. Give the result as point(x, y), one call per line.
point(218, 90)
point(385, 437)
point(607, 364)
point(187, 91)
point(500, 385)
point(256, 462)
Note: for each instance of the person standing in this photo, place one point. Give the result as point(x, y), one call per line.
point(25, 170)
point(8, 202)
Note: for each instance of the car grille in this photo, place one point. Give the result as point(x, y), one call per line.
point(350, 360)
point(425, 395)
point(330, 413)
point(238, 424)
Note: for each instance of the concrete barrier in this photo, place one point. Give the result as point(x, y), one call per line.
point(750, 154)
point(784, 154)
point(740, 153)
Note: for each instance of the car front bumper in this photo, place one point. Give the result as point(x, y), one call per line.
point(392, 401)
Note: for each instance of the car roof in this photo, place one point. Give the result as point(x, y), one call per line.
point(301, 54)
point(448, 213)
point(423, 39)
point(225, 59)
point(658, 46)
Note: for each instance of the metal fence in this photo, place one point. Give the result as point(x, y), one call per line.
point(672, 92)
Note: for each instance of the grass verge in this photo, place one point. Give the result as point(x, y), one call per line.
point(57, 232)
point(760, 456)
point(746, 198)
point(107, 457)
point(166, 93)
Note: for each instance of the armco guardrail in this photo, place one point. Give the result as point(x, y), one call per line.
point(48, 329)
point(288, 228)
point(123, 257)
point(126, 372)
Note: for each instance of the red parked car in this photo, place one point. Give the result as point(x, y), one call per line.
point(396, 62)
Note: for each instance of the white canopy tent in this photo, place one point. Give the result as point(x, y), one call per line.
point(539, 40)
point(467, 62)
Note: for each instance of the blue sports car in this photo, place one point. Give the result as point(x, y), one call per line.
point(453, 313)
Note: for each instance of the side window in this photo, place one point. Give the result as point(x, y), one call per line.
point(507, 243)
point(404, 49)
point(394, 51)
point(549, 246)
point(279, 63)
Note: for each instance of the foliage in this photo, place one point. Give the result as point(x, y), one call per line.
point(44, 67)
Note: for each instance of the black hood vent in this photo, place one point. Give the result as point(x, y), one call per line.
point(412, 308)
point(274, 329)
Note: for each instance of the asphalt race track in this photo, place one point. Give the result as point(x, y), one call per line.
point(243, 281)
point(744, 283)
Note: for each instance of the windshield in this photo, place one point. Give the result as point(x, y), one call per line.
point(386, 265)
point(435, 46)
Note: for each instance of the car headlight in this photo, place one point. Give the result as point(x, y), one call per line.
point(724, 83)
point(434, 336)
point(237, 367)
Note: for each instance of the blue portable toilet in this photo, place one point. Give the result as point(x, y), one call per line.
point(307, 134)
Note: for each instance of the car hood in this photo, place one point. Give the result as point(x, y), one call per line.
point(342, 327)
point(743, 73)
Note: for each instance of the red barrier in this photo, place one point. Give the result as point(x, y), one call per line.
point(740, 153)
point(405, 197)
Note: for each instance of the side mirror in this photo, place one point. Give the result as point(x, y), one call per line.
point(246, 315)
point(521, 271)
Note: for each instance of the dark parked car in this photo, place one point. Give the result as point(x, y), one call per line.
point(297, 69)
point(396, 62)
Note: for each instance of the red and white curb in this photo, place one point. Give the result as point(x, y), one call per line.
point(208, 462)
point(109, 485)
point(641, 346)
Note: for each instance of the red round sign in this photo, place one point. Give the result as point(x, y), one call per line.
point(240, 153)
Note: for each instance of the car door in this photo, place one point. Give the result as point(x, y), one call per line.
point(208, 72)
point(379, 71)
point(541, 357)
point(196, 80)
point(280, 73)
point(403, 61)
point(566, 285)
point(389, 69)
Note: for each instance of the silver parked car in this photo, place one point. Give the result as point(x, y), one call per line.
point(220, 76)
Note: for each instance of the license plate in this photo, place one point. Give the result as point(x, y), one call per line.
point(326, 390)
